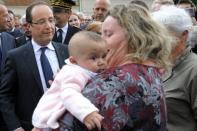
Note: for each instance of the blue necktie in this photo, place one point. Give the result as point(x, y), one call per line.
point(46, 68)
point(0, 51)
point(0, 56)
point(59, 38)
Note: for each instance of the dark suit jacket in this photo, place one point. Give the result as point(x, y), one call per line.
point(16, 33)
point(71, 31)
point(21, 87)
point(21, 40)
point(7, 43)
point(194, 49)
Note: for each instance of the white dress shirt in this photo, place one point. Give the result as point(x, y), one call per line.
point(52, 57)
point(64, 29)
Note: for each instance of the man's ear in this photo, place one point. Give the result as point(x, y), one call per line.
point(72, 60)
point(185, 35)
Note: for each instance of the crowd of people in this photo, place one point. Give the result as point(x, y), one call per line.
point(128, 67)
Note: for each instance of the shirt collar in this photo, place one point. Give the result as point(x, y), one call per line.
point(88, 72)
point(185, 53)
point(64, 29)
point(12, 29)
point(177, 63)
point(37, 47)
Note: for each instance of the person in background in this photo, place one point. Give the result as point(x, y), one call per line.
point(129, 93)
point(26, 30)
point(74, 20)
point(62, 11)
point(87, 52)
point(156, 5)
point(88, 19)
point(17, 21)
point(140, 2)
point(85, 21)
point(100, 9)
point(193, 38)
point(29, 68)
point(82, 20)
point(189, 7)
point(94, 26)
point(16, 32)
point(180, 81)
point(7, 43)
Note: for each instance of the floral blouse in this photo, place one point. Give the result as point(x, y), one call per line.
point(130, 97)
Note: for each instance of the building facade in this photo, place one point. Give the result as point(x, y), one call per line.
point(85, 6)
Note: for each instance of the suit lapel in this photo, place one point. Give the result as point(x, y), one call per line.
point(55, 36)
point(59, 52)
point(29, 56)
point(68, 35)
point(5, 46)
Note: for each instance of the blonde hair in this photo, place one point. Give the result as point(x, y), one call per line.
point(94, 26)
point(164, 2)
point(147, 40)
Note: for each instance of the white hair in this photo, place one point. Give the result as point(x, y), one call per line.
point(192, 40)
point(23, 19)
point(80, 14)
point(175, 19)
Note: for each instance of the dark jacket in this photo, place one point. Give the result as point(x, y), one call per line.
point(7, 43)
point(21, 86)
point(71, 31)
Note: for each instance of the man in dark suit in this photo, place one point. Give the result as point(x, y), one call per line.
point(24, 77)
point(6, 43)
point(12, 29)
point(62, 11)
point(27, 33)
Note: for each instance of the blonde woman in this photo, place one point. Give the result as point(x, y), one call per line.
point(129, 93)
point(74, 20)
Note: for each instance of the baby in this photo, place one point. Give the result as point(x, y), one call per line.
point(87, 52)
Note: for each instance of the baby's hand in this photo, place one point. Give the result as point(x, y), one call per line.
point(93, 120)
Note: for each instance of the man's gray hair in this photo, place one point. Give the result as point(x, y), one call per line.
point(175, 19)
point(23, 20)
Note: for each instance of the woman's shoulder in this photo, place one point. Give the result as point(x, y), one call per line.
point(127, 73)
point(132, 68)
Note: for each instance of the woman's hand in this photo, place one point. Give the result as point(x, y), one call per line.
point(93, 120)
point(19, 129)
point(36, 129)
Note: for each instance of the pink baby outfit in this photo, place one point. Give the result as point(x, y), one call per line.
point(64, 94)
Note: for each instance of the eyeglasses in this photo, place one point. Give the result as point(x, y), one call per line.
point(43, 21)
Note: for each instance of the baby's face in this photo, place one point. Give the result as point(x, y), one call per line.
point(94, 58)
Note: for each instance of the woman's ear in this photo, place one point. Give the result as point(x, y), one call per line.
point(72, 60)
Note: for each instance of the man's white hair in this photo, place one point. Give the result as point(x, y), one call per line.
point(175, 19)
point(23, 20)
